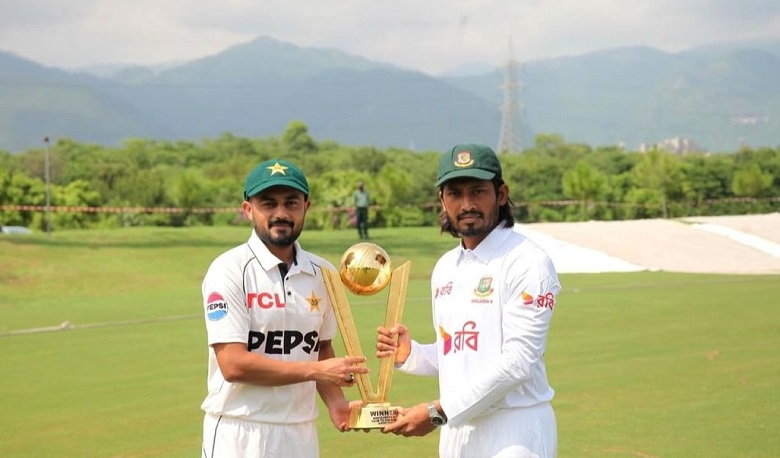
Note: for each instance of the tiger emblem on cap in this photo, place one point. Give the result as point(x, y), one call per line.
point(464, 159)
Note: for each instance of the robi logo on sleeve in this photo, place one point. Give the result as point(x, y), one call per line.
point(216, 307)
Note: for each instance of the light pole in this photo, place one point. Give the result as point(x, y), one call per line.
point(48, 187)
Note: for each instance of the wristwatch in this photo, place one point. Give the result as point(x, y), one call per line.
point(436, 418)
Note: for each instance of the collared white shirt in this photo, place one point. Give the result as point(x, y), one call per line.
point(246, 300)
point(492, 308)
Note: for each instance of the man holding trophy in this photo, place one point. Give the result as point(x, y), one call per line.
point(269, 326)
point(493, 299)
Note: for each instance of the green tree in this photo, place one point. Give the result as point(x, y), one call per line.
point(297, 139)
point(707, 179)
point(751, 182)
point(585, 184)
point(20, 189)
point(191, 191)
point(660, 171)
point(75, 194)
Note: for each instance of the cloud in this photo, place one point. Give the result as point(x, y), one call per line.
point(23, 13)
point(439, 35)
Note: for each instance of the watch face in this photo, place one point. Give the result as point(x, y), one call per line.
point(435, 416)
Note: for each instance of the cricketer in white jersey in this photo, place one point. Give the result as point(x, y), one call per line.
point(282, 318)
point(269, 327)
point(492, 304)
point(491, 319)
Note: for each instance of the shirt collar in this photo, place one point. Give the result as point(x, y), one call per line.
point(487, 248)
point(268, 260)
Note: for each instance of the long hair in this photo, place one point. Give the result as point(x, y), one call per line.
point(505, 215)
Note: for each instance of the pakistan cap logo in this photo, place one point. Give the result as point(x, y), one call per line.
point(277, 168)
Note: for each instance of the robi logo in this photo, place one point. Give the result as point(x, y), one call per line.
point(264, 300)
point(467, 338)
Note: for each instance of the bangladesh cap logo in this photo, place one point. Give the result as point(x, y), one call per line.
point(464, 159)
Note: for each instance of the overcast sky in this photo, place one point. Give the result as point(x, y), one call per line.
point(428, 35)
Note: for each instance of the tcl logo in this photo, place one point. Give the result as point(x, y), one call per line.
point(264, 300)
point(283, 342)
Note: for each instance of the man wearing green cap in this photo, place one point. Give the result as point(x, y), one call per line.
point(269, 325)
point(493, 299)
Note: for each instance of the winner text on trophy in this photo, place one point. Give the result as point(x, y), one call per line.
point(365, 269)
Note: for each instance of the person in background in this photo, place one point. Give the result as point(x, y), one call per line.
point(269, 326)
point(493, 298)
point(362, 201)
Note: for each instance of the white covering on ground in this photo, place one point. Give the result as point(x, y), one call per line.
point(570, 258)
point(750, 240)
point(746, 244)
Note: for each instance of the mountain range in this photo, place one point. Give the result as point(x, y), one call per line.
point(719, 96)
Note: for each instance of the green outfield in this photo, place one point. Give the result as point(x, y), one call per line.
point(644, 364)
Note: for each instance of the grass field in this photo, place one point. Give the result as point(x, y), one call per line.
point(644, 364)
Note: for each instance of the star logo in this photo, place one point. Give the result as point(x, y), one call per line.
point(277, 168)
point(314, 302)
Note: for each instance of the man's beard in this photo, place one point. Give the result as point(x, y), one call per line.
point(280, 240)
point(472, 229)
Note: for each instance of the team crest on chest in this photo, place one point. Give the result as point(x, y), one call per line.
point(484, 288)
point(314, 302)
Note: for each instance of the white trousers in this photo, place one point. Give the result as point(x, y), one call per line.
point(527, 432)
point(226, 437)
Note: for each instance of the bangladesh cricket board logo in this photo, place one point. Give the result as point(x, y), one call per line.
point(463, 159)
point(484, 288)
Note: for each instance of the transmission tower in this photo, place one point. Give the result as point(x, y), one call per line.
point(509, 138)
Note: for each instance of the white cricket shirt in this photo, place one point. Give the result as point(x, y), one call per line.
point(492, 308)
point(246, 300)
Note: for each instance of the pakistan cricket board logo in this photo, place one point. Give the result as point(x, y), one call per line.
point(483, 288)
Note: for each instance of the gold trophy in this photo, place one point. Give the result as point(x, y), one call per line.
point(365, 269)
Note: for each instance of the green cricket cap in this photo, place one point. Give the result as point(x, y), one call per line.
point(469, 160)
point(275, 172)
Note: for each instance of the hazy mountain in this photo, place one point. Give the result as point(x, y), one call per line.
point(37, 101)
point(257, 88)
point(719, 99)
point(720, 96)
point(113, 70)
point(772, 46)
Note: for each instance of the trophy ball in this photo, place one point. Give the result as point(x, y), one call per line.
point(365, 268)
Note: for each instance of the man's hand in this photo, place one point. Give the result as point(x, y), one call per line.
point(394, 341)
point(339, 413)
point(413, 421)
point(339, 371)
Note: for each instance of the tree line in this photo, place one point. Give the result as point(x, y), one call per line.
point(202, 182)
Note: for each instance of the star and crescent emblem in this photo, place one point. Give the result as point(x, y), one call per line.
point(277, 168)
point(314, 302)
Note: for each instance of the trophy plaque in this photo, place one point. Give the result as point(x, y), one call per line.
point(365, 269)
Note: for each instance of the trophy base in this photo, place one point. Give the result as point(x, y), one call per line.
point(373, 416)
